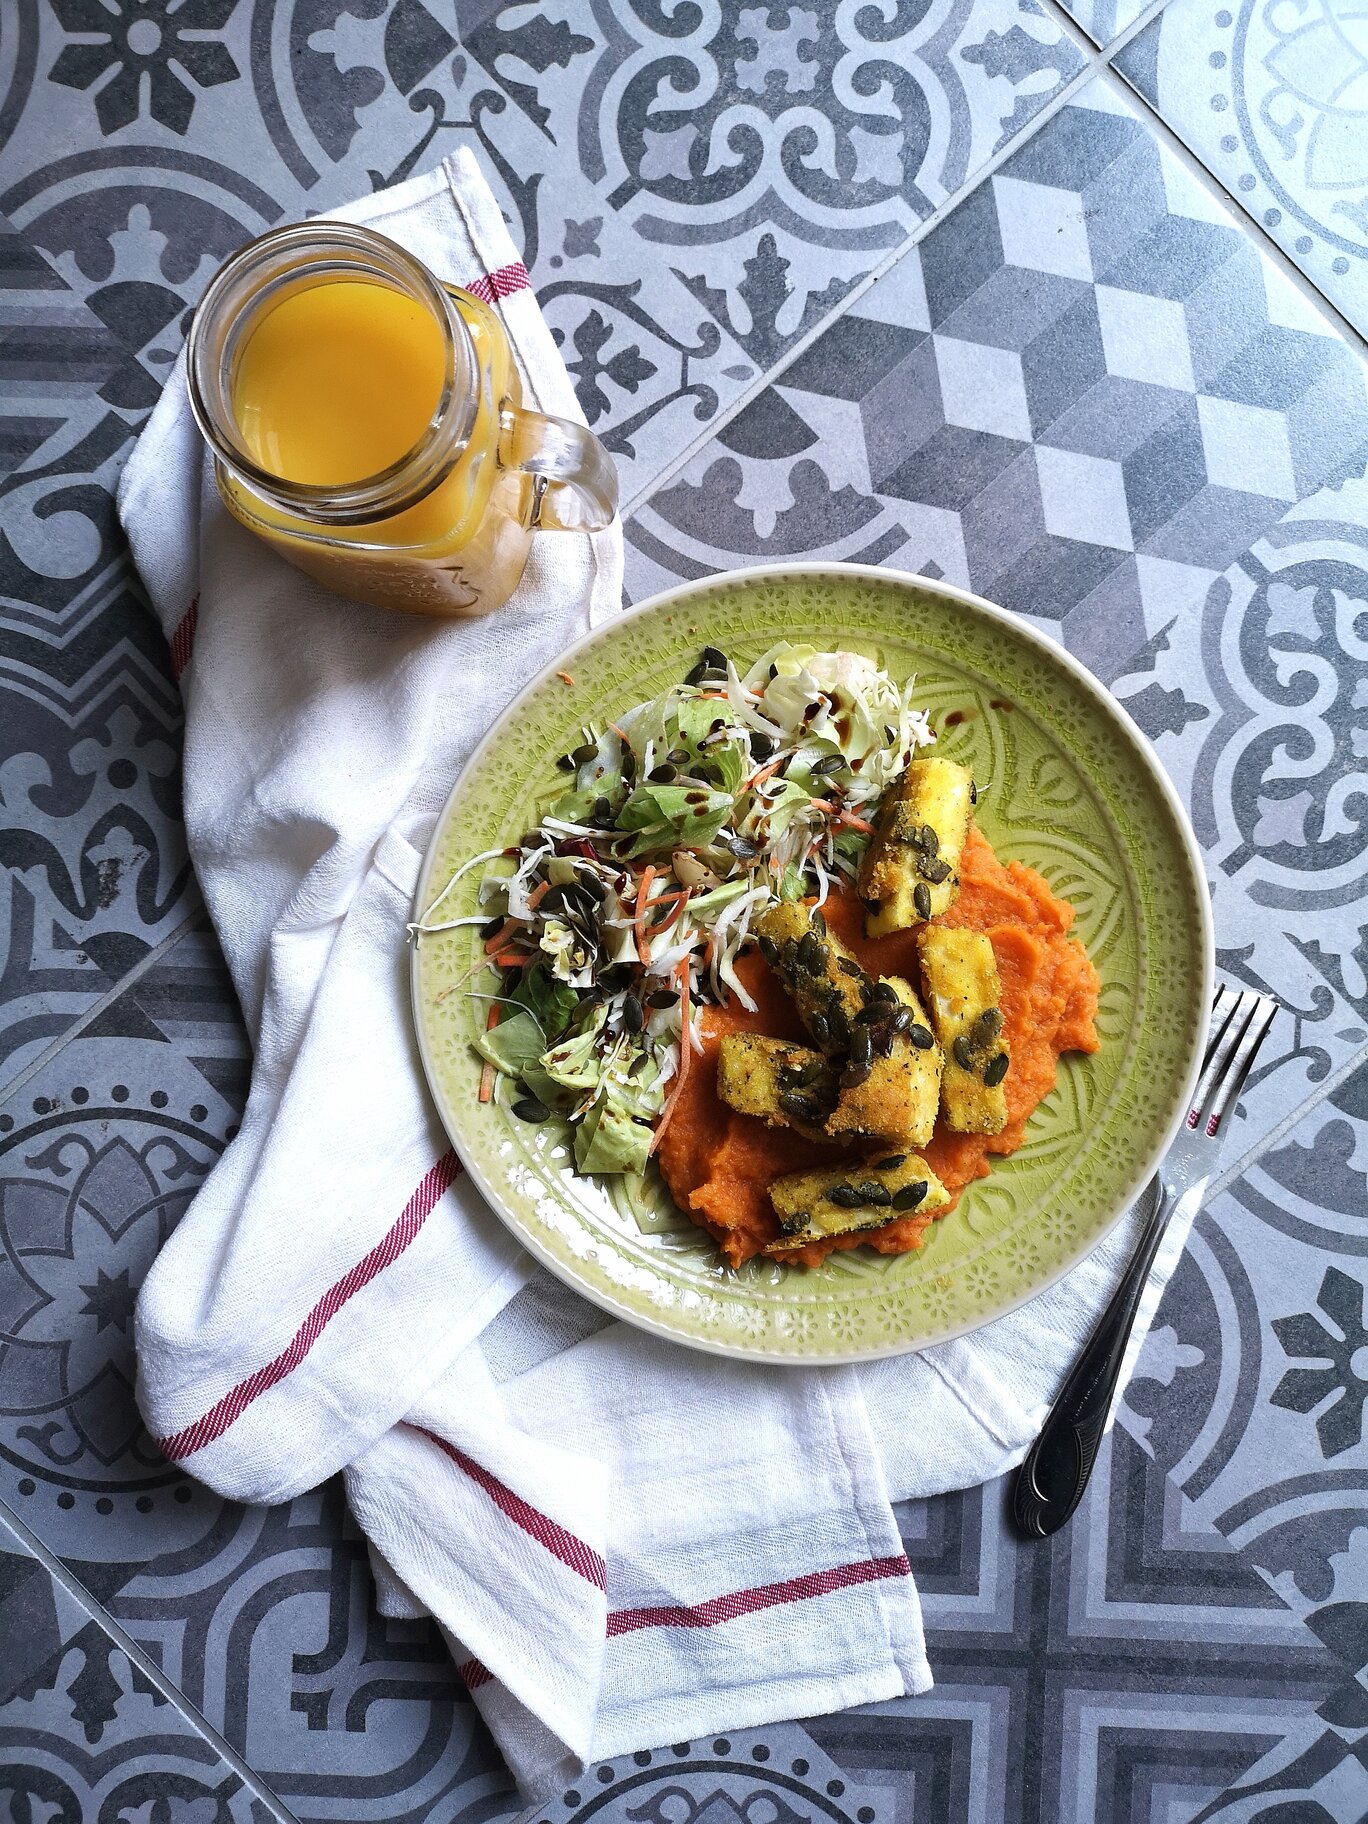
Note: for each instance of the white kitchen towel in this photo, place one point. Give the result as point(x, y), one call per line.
point(626, 1543)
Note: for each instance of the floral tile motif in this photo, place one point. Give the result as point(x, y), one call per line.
point(1086, 396)
point(1251, 1388)
point(93, 871)
point(772, 156)
point(1274, 100)
point(342, 101)
point(83, 1734)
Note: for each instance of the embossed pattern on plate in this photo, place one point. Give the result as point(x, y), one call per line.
point(1067, 785)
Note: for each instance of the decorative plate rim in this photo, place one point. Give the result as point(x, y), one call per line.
point(793, 1353)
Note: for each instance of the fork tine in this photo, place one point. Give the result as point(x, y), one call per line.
point(1222, 1008)
point(1227, 1025)
point(1233, 1081)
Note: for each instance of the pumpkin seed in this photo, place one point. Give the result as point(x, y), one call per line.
point(819, 923)
point(566, 764)
point(988, 1025)
point(664, 774)
point(909, 1196)
point(788, 955)
point(892, 1163)
point(632, 1016)
point(884, 991)
point(934, 871)
point(854, 1075)
point(603, 810)
point(848, 966)
point(809, 952)
point(874, 1192)
point(811, 1072)
point(678, 756)
point(929, 840)
point(527, 1108)
point(584, 754)
point(820, 1028)
point(861, 1045)
point(770, 951)
point(921, 1037)
point(801, 1107)
point(902, 1018)
point(761, 746)
point(663, 997)
point(996, 1071)
point(845, 1196)
point(839, 1022)
point(884, 1040)
point(921, 899)
point(829, 763)
point(495, 924)
point(963, 1052)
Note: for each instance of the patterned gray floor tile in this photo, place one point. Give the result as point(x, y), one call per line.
point(1087, 396)
point(83, 1735)
point(264, 1619)
point(1133, 1667)
point(1273, 101)
point(1251, 1389)
point(344, 101)
point(92, 851)
point(771, 156)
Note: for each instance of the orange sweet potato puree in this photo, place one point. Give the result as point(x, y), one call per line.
point(718, 1164)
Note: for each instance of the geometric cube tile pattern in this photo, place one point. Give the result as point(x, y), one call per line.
point(1085, 391)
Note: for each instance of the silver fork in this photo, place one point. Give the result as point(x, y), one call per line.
point(1051, 1481)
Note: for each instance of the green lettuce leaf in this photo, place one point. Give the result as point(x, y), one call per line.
point(609, 1140)
point(662, 816)
point(513, 1044)
point(550, 1001)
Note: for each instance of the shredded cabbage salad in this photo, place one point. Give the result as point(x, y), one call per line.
point(626, 908)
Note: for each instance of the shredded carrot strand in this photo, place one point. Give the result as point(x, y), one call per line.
point(565, 677)
point(487, 1074)
point(509, 928)
point(759, 777)
point(852, 822)
point(538, 894)
point(648, 874)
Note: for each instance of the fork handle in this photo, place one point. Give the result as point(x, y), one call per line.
point(1050, 1483)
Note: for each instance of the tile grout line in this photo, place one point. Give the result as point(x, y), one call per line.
point(1095, 63)
point(1289, 1122)
point(106, 1000)
point(147, 1666)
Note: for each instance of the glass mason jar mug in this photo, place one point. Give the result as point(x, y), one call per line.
point(367, 421)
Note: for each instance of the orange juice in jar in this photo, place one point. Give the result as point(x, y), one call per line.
point(367, 421)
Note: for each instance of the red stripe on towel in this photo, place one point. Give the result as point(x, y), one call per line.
point(475, 1673)
point(766, 1596)
point(231, 1407)
point(571, 1551)
point(501, 283)
point(183, 640)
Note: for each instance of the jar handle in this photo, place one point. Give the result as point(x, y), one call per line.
point(575, 486)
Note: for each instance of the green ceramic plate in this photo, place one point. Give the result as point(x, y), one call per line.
point(1068, 785)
